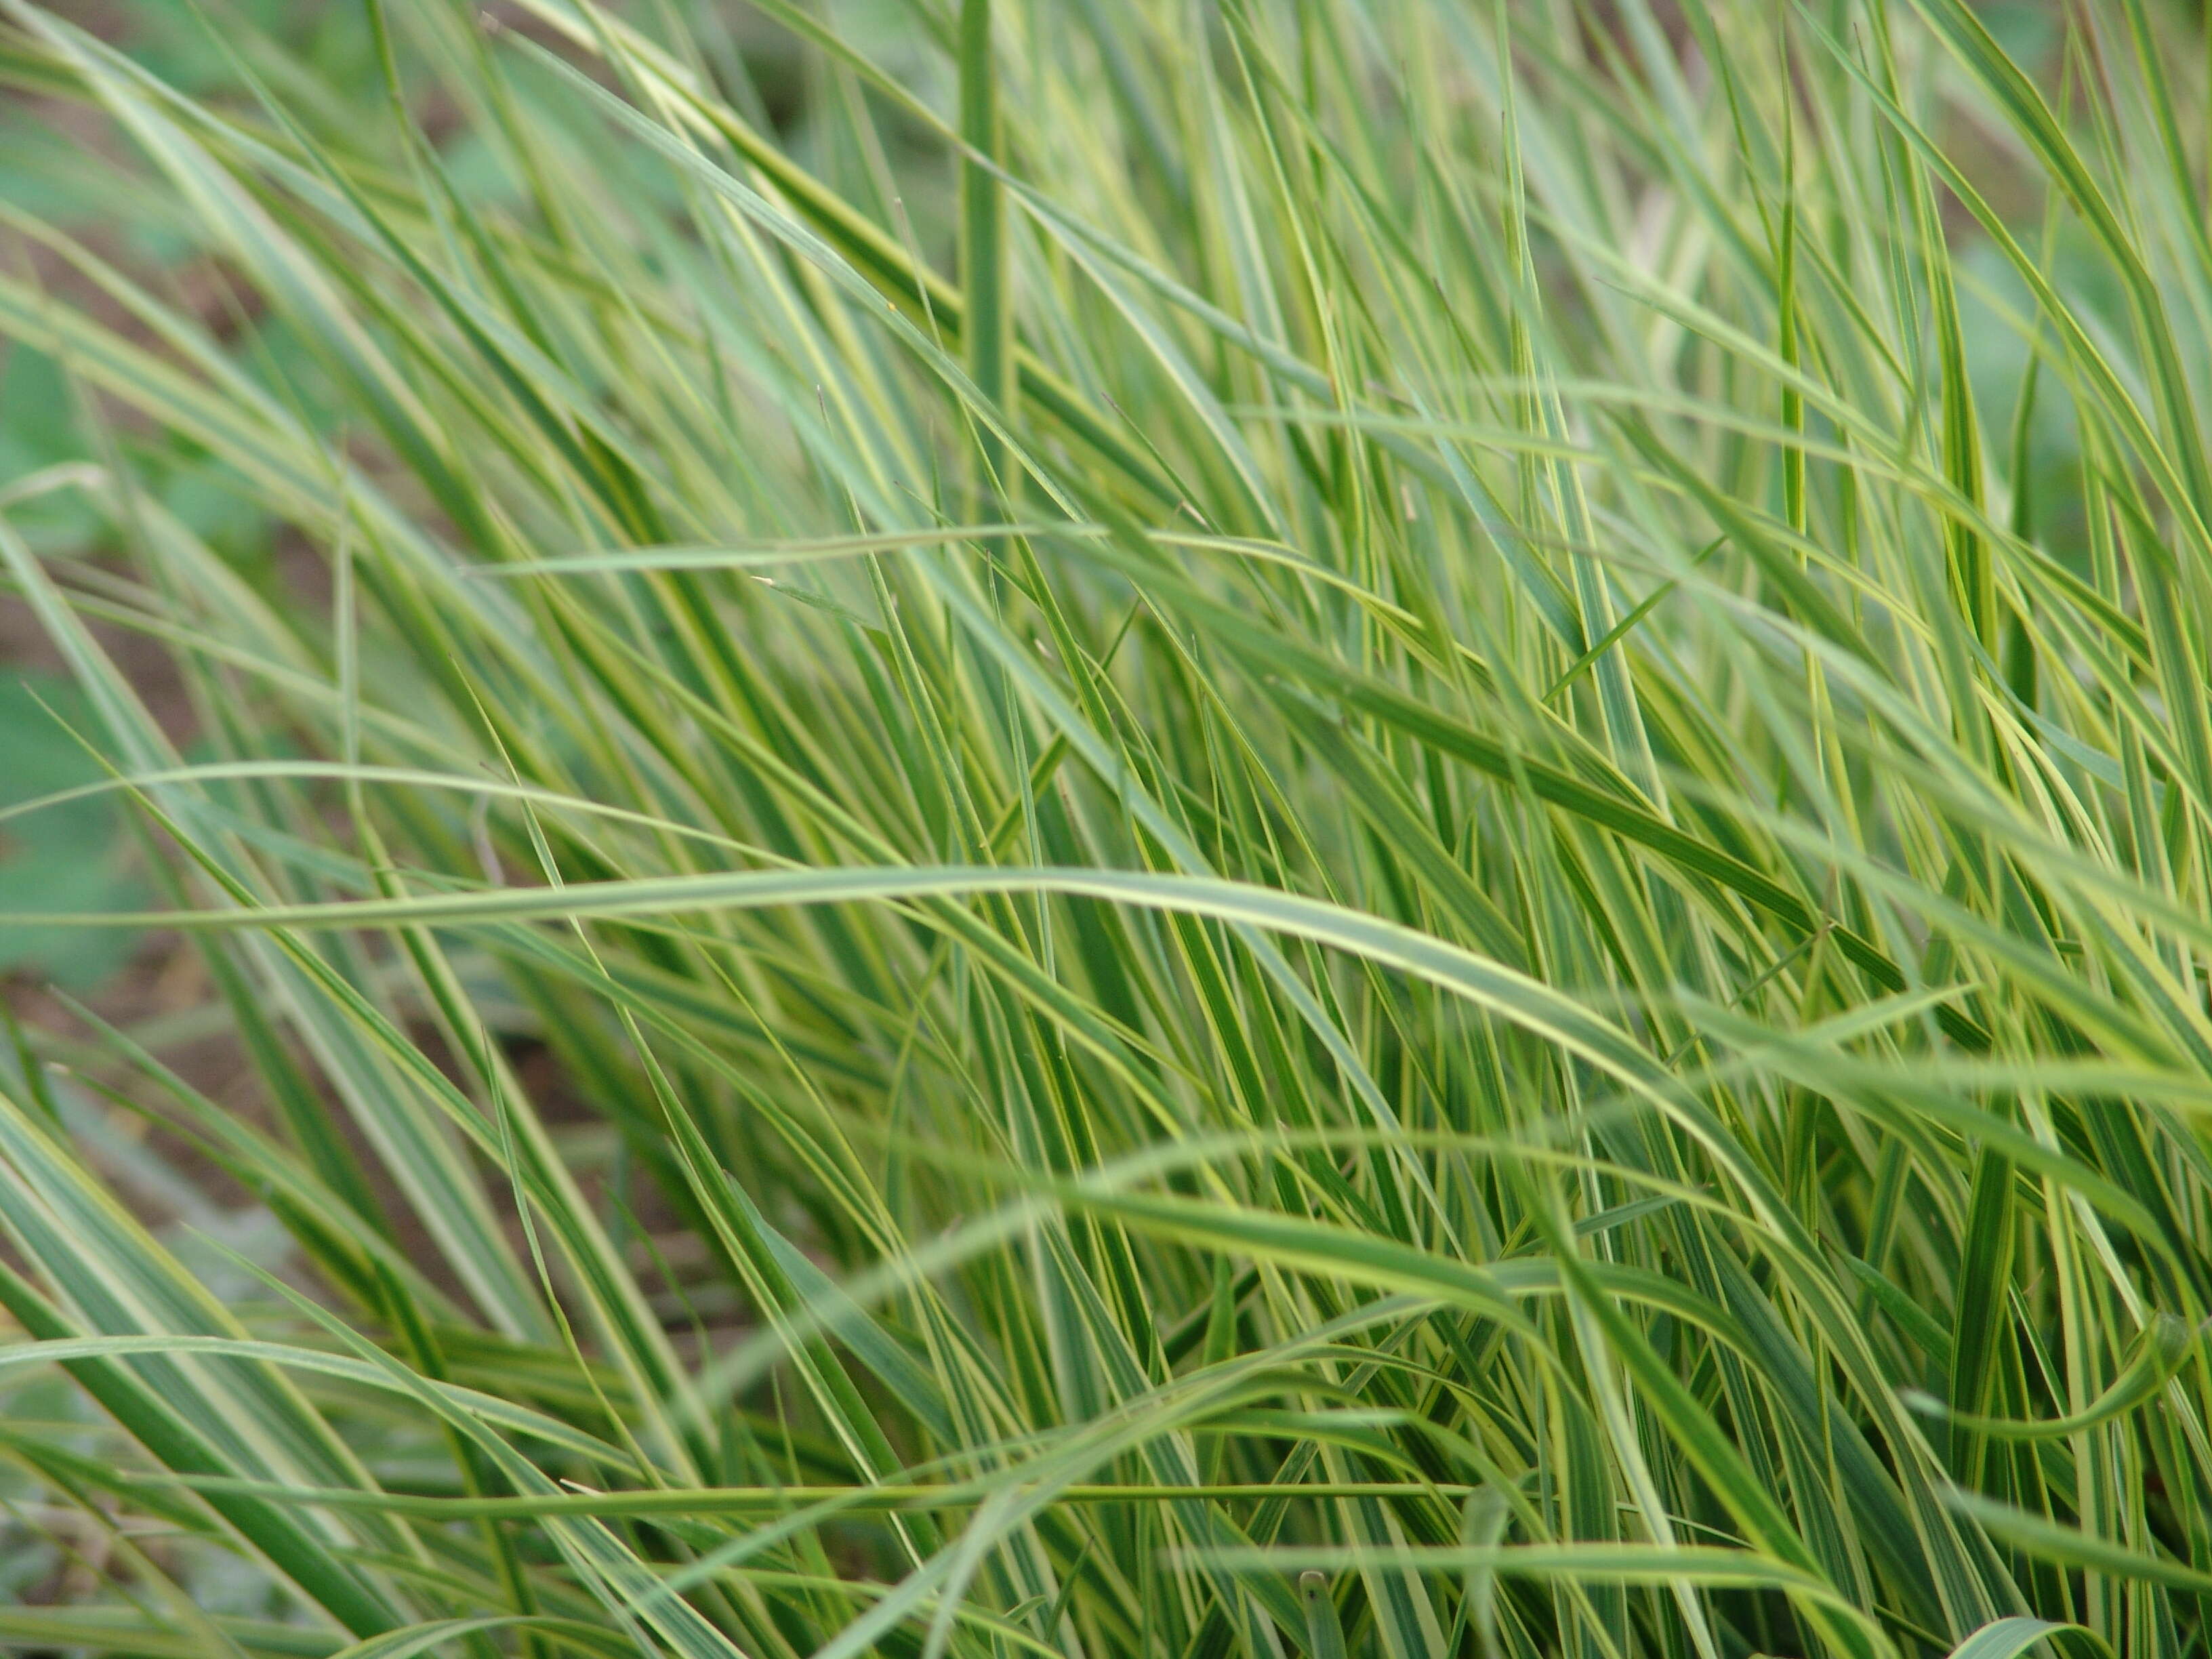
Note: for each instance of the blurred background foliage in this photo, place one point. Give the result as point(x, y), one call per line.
point(53, 171)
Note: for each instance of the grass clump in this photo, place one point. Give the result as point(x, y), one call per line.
point(1264, 830)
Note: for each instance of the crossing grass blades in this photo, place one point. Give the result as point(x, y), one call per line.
point(1277, 827)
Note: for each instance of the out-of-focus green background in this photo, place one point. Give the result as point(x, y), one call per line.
point(59, 165)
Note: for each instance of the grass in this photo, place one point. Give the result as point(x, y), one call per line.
point(1280, 828)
